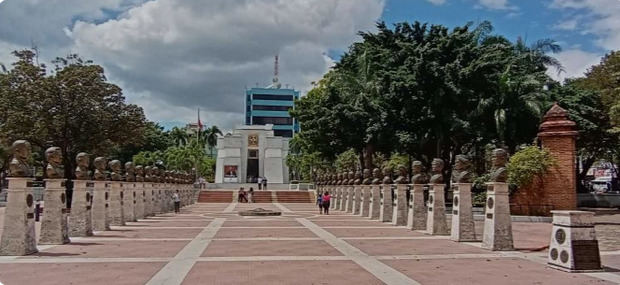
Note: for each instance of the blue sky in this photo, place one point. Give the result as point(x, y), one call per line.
point(529, 19)
point(172, 57)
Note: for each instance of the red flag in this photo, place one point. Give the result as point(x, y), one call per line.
point(199, 122)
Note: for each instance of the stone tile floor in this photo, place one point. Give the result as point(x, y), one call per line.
point(211, 244)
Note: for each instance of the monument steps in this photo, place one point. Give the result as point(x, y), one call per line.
point(262, 197)
point(294, 197)
point(215, 197)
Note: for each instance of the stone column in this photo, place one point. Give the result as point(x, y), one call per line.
point(350, 198)
point(128, 202)
point(100, 207)
point(140, 200)
point(116, 212)
point(497, 223)
point(365, 203)
point(385, 213)
point(148, 202)
point(416, 217)
point(357, 199)
point(436, 223)
point(462, 215)
point(375, 202)
point(18, 234)
point(54, 228)
point(336, 199)
point(343, 198)
point(573, 246)
point(401, 206)
point(80, 218)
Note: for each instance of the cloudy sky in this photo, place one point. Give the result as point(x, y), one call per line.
point(174, 56)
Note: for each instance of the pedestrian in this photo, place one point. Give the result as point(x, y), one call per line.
point(241, 197)
point(326, 197)
point(251, 195)
point(319, 202)
point(260, 181)
point(264, 183)
point(177, 202)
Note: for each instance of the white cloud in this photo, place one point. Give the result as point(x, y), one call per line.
point(172, 57)
point(600, 18)
point(496, 5)
point(566, 25)
point(575, 61)
point(437, 2)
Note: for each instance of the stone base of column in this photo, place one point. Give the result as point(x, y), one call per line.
point(18, 234)
point(80, 218)
point(365, 201)
point(436, 223)
point(573, 246)
point(385, 212)
point(116, 208)
point(129, 197)
point(399, 215)
point(462, 216)
point(140, 200)
point(350, 197)
point(374, 209)
point(497, 234)
point(100, 207)
point(54, 228)
point(416, 216)
point(357, 199)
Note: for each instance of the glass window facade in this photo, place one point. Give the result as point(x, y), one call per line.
point(271, 106)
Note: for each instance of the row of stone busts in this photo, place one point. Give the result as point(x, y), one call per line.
point(462, 172)
point(19, 167)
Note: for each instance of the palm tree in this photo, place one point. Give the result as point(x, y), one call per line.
point(179, 136)
point(211, 134)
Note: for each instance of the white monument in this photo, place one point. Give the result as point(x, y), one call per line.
point(250, 152)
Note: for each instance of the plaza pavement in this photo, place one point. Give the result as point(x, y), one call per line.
point(211, 244)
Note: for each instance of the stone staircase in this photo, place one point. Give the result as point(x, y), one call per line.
point(262, 196)
point(215, 197)
point(294, 197)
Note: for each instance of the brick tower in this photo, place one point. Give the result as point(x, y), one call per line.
point(558, 188)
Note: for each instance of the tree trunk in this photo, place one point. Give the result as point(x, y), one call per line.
point(581, 175)
point(369, 151)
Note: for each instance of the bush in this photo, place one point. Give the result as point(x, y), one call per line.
point(528, 164)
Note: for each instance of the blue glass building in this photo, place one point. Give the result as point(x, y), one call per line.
point(270, 106)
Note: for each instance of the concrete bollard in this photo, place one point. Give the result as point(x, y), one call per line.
point(18, 234)
point(399, 215)
point(385, 212)
point(365, 203)
point(416, 216)
point(80, 218)
point(573, 246)
point(497, 223)
point(100, 207)
point(54, 228)
point(462, 215)
point(116, 201)
point(436, 223)
point(374, 208)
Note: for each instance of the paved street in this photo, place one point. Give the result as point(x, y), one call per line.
point(211, 244)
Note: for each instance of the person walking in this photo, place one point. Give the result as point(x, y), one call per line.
point(264, 183)
point(177, 202)
point(260, 181)
point(251, 195)
point(319, 202)
point(326, 198)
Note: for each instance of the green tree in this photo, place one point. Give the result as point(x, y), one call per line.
point(211, 134)
point(74, 108)
point(179, 136)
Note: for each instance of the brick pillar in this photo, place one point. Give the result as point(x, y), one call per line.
point(558, 188)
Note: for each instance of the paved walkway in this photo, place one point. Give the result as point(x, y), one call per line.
point(211, 244)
